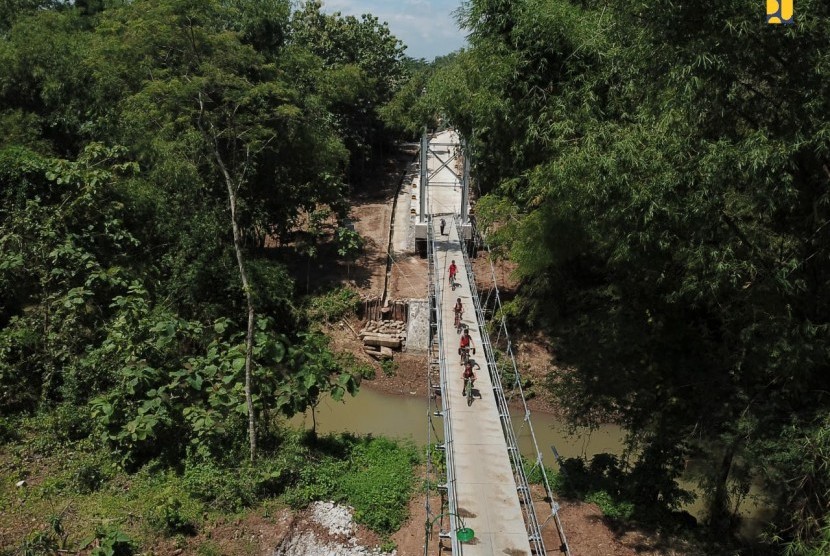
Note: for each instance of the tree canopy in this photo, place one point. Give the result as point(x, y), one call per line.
point(150, 151)
point(659, 172)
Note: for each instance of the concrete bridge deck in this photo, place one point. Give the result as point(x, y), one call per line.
point(485, 489)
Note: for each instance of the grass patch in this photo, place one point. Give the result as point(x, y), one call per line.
point(610, 506)
point(373, 475)
point(76, 493)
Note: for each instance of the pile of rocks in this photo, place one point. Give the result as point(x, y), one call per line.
point(335, 518)
point(381, 337)
point(327, 530)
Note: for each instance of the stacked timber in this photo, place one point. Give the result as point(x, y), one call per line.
point(372, 309)
point(396, 310)
point(382, 337)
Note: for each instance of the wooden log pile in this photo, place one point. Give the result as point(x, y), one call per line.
point(372, 309)
point(397, 310)
point(382, 337)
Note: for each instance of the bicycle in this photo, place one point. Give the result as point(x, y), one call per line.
point(468, 390)
point(465, 354)
point(457, 322)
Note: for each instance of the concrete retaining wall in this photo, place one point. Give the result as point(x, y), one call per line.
point(417, 331)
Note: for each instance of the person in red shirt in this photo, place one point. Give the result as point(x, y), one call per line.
point(453, 272)
point(468, 373)
point(465, 343)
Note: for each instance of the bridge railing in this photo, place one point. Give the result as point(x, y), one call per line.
point(436, 296)
point(534, 530)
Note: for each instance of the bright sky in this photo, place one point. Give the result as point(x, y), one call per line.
point(426, 27)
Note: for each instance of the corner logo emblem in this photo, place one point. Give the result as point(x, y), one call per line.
point(780, 12)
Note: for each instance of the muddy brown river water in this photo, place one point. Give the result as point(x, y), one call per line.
point(405, 417)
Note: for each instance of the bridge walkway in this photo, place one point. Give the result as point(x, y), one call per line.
point(485, 489)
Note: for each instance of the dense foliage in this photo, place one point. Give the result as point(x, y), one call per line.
point(374, 476)
point(659, 172)
point(151, 153)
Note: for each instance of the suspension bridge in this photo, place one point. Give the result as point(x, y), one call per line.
point(479, 500)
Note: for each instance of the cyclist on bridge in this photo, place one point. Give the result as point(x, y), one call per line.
point(453, 272)
point(465, 344)
point(468, 373)
point(458, 310)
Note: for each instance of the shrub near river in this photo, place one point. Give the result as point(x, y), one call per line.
point(75, 492)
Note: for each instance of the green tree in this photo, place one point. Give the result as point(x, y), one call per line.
point(232, 132)
point(658, 173)
point(65, 252)
point(364, 62)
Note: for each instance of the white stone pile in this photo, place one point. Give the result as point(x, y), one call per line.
point(338, 523)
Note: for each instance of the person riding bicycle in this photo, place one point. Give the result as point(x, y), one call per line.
point(458, 310)
point(469, 373)
point(466, 343)
point(453, 272)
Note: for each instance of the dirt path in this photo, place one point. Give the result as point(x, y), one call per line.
point(371, 215)
point(371, 218)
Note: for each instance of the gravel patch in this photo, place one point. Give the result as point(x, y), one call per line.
point(337, 523)
point(336, 519)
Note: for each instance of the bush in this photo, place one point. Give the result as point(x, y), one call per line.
point(333, 305)
point(70, 423)
point(169, 518)
point(226, 489)
point(389, 367)
point(317, 482)
point(113, 542)
point(580, 477)
point(615, 509)
point(88, 478)
point(379, 483)
point(388, 545)
point(350, 364)
point(58, 427)
point(8, 430)
point(373, 475)
point(534, 474)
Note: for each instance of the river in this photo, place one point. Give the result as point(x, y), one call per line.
point(405, 417)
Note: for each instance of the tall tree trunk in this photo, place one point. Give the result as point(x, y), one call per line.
point(249, 337)
point(720, 514)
